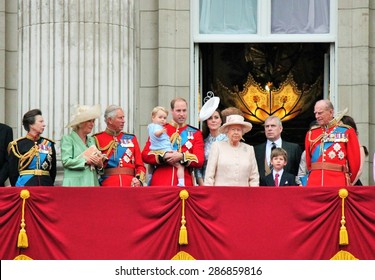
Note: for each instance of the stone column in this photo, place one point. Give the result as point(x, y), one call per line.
point(75, 52)
point(354, 71)
point(8, 62)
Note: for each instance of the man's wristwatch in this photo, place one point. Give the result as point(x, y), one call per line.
point(182, 160)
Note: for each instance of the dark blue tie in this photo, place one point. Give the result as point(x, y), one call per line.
point(273, 146)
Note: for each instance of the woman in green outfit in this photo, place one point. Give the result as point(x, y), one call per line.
point(80, 158)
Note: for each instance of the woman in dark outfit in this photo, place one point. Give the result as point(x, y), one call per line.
point(32, 158)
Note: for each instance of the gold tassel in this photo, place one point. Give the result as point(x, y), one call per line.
point(183, 238)
point(344, 239)
point(23, 241)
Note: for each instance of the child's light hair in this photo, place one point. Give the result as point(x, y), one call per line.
point(279, 152)
point(157, 109)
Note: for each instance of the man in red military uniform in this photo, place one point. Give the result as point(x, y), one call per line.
point(332, 150)
point(188, 149)
point(124, 166)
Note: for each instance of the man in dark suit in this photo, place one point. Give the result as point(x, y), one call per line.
point(6, 136)
point(278, 177)
point(273, 128)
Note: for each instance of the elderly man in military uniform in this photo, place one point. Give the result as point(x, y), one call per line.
point(332, 149)
point(124, 166)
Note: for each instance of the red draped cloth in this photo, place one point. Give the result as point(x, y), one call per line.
point(291, 223)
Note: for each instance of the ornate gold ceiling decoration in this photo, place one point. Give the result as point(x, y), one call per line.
point(257, 102)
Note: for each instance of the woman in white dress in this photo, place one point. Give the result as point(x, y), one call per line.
point(232, 162)
point(212, 120)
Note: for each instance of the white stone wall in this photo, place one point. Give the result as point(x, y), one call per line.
point(162, 55)
point(73, 53)
point(371, 100)
point(8, 63)
point(355, 71)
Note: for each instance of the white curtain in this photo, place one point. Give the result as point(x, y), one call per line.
point(300, 16)
point(240, 16)
point(228, 16)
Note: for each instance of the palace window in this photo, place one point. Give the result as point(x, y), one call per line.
point(267, 57)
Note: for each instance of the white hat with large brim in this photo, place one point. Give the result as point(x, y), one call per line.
point(236, 120)
point(209, 108)
point(85, 113)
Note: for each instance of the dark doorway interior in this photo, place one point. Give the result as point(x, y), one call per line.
point(226, 68)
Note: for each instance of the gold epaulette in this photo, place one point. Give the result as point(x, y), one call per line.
point(13, 146)
point(127, 133)
point(95, 134)
point(16, 140)
point(193, 127)
point(315, 127)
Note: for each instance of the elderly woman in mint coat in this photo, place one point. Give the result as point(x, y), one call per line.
point(80, 158)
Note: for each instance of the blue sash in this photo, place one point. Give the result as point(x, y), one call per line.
point(124, 144)
point(185, 135)
point(317, 152)
point(46, 146)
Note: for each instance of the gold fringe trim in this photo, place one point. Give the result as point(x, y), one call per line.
point(112, 145)
point(343, 255)
point(183, 238)
point(26, 159)
point(190, 157)
point(141, 177)
point(183, 256)
point(23, 241)
point(157, 154)
point(343, 237)
point(22, 258)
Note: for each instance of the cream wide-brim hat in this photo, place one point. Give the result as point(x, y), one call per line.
point(85, 113)
point(209, 108)
point(236, 120)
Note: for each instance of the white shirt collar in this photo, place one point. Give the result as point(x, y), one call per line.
point(278, 143)
point(280, 173)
